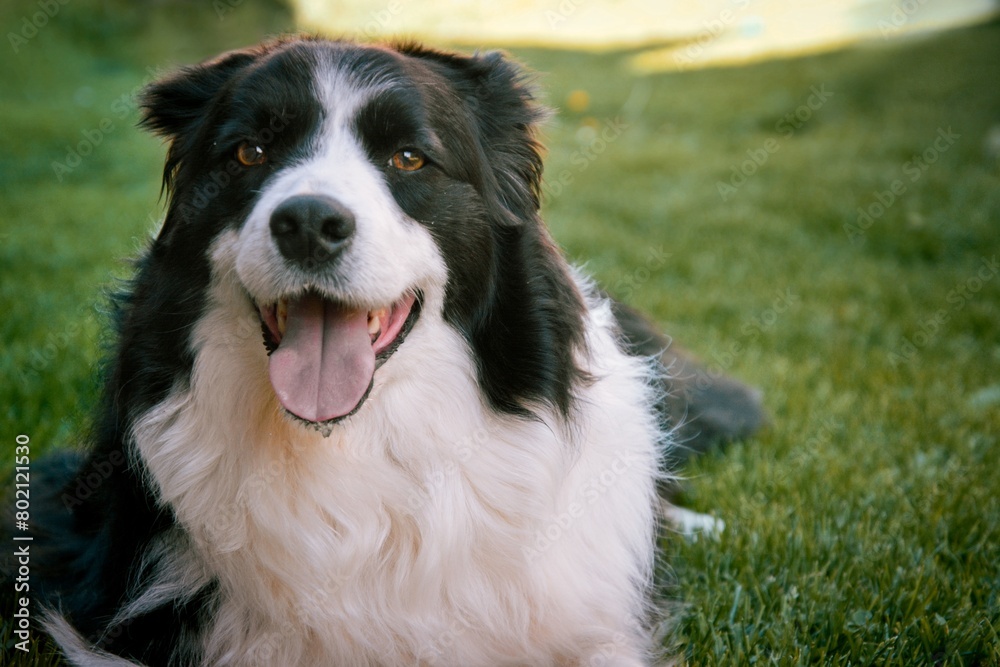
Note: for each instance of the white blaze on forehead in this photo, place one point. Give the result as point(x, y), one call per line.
point(388, 254)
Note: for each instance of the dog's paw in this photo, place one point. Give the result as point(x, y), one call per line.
point(690, 523)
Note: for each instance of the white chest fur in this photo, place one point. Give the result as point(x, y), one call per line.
point(425, 529)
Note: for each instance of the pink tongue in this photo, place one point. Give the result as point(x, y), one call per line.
point(325, 362)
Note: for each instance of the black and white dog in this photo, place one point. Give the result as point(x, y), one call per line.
point(447, 449)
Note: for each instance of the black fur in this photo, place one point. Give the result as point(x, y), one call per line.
point(509, 295)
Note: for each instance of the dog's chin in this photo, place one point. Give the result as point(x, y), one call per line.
point(324, 353)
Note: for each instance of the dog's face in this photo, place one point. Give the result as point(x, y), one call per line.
point(356, 190)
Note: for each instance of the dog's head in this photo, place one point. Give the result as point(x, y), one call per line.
point(360, 189)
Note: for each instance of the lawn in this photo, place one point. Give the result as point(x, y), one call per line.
point(827, 229)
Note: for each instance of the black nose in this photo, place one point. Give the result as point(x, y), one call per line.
point(311, 230)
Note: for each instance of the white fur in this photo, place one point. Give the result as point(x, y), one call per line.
point(76, 649)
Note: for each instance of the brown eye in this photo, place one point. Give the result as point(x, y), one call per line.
point(408, 160)
point(250, 155)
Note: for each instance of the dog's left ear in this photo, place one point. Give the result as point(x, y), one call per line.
point(500, 101)
point(176, 106)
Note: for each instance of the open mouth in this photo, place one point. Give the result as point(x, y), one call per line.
point(323, 354)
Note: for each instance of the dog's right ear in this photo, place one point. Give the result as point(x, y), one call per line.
point(499, 98)
point(176, 106)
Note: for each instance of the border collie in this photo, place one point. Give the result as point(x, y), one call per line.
point(361, 410)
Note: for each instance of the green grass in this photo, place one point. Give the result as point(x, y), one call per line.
point(863, 527)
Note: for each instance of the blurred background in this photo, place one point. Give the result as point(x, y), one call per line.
point(804, 194)
point(678, 34)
